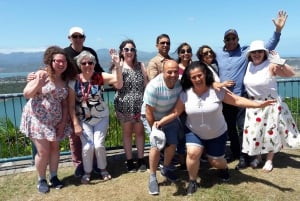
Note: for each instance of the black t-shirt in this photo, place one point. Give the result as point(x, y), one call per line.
point(72, 53)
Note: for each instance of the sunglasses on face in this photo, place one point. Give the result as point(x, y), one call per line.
point(126, 49)
point(77, 36)
point(183, 51)
point(164, 43)
point(59, 61)
point(87, 63)
point(229, 39)
point(207, 53)
point(257, 51)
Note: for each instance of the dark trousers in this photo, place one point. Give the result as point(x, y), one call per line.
point(76, 149)
point(234, 117)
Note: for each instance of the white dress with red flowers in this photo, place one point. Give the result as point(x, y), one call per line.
point(270, 128)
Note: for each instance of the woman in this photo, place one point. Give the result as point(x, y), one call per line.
point(45, 115)
point(205, 123)
point(185, 54)
point(89, 113)
point(128, 101)
point(206, 55)
point(266, 131)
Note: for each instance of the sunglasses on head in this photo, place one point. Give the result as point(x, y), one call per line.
point(183, 51)
point(229, 39)
point(77, 36)
point(164, 43)
point(207, 52)
point(89, 63)
point(126, 49)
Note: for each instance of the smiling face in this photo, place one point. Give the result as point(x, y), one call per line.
point(129, 53)
point(170, 73)
point(257, 56)
point(163, 46)
point(59, 63)
point(87, 67)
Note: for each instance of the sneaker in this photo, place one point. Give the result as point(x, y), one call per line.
point(85, 179)
point(192, 188)
point(169, 174)
point(141, 165)
point(130, 166)
point(79, 172)
point(43, 186)
point(153, 188)
point(224, 174)
point(242, 164)
point(56, 183)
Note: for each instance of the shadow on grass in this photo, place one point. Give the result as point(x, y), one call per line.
point(209, 176)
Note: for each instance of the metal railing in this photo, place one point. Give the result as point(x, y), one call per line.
point(17, 147)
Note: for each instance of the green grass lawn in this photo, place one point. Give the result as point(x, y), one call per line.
point(245, 185)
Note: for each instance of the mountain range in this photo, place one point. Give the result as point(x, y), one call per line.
point(28, 62)
point(32, 61)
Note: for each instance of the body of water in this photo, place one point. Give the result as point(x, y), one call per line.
point(4, 75)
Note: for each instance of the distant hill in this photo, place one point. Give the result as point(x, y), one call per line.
point(27, 62)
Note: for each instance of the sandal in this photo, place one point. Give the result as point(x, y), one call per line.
point(105, 175)
point(85, 179)
point(268, 167)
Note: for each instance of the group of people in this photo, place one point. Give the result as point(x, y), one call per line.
point(199, 105)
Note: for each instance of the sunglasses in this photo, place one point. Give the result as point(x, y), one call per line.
point(77, 36)
point(59, 61)
point(257, 51)
point(207, 52)
point(164, 43)
point(229, 39)
point(183, 51)
point(89, 63)
point(126, 49)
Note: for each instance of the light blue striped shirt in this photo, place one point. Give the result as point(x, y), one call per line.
point(159, 96)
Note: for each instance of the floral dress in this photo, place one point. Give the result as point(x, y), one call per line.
point(42, 113)
point(129, 99)
point(270, 128)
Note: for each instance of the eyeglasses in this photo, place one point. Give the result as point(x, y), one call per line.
point(183, 51)
point(257, 51)
point(59, 61)
point(88, 63)
point(207, 53)
point(126, 49)
point(164, 43)
point(77, 36)
point(229, 39)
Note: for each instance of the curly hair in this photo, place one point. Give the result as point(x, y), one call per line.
point(71, 70)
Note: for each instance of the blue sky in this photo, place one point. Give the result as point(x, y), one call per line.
point(36, 24)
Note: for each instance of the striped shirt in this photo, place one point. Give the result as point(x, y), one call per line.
point(160, 97)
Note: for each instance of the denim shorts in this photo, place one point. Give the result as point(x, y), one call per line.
point(172, 130)
point(215, 148)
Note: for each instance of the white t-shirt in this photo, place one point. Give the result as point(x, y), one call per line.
point(204, 113)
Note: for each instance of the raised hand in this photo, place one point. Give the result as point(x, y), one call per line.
point(114, 56)
point(279, 22)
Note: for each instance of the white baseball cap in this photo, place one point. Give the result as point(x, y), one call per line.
point(76, 30)
point(157, 138)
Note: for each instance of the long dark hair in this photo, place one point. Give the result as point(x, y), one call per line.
point(186, 79)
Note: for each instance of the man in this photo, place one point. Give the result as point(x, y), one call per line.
point(233, 62)
point(77, 38)
point(160, 97)
point(163, 45)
